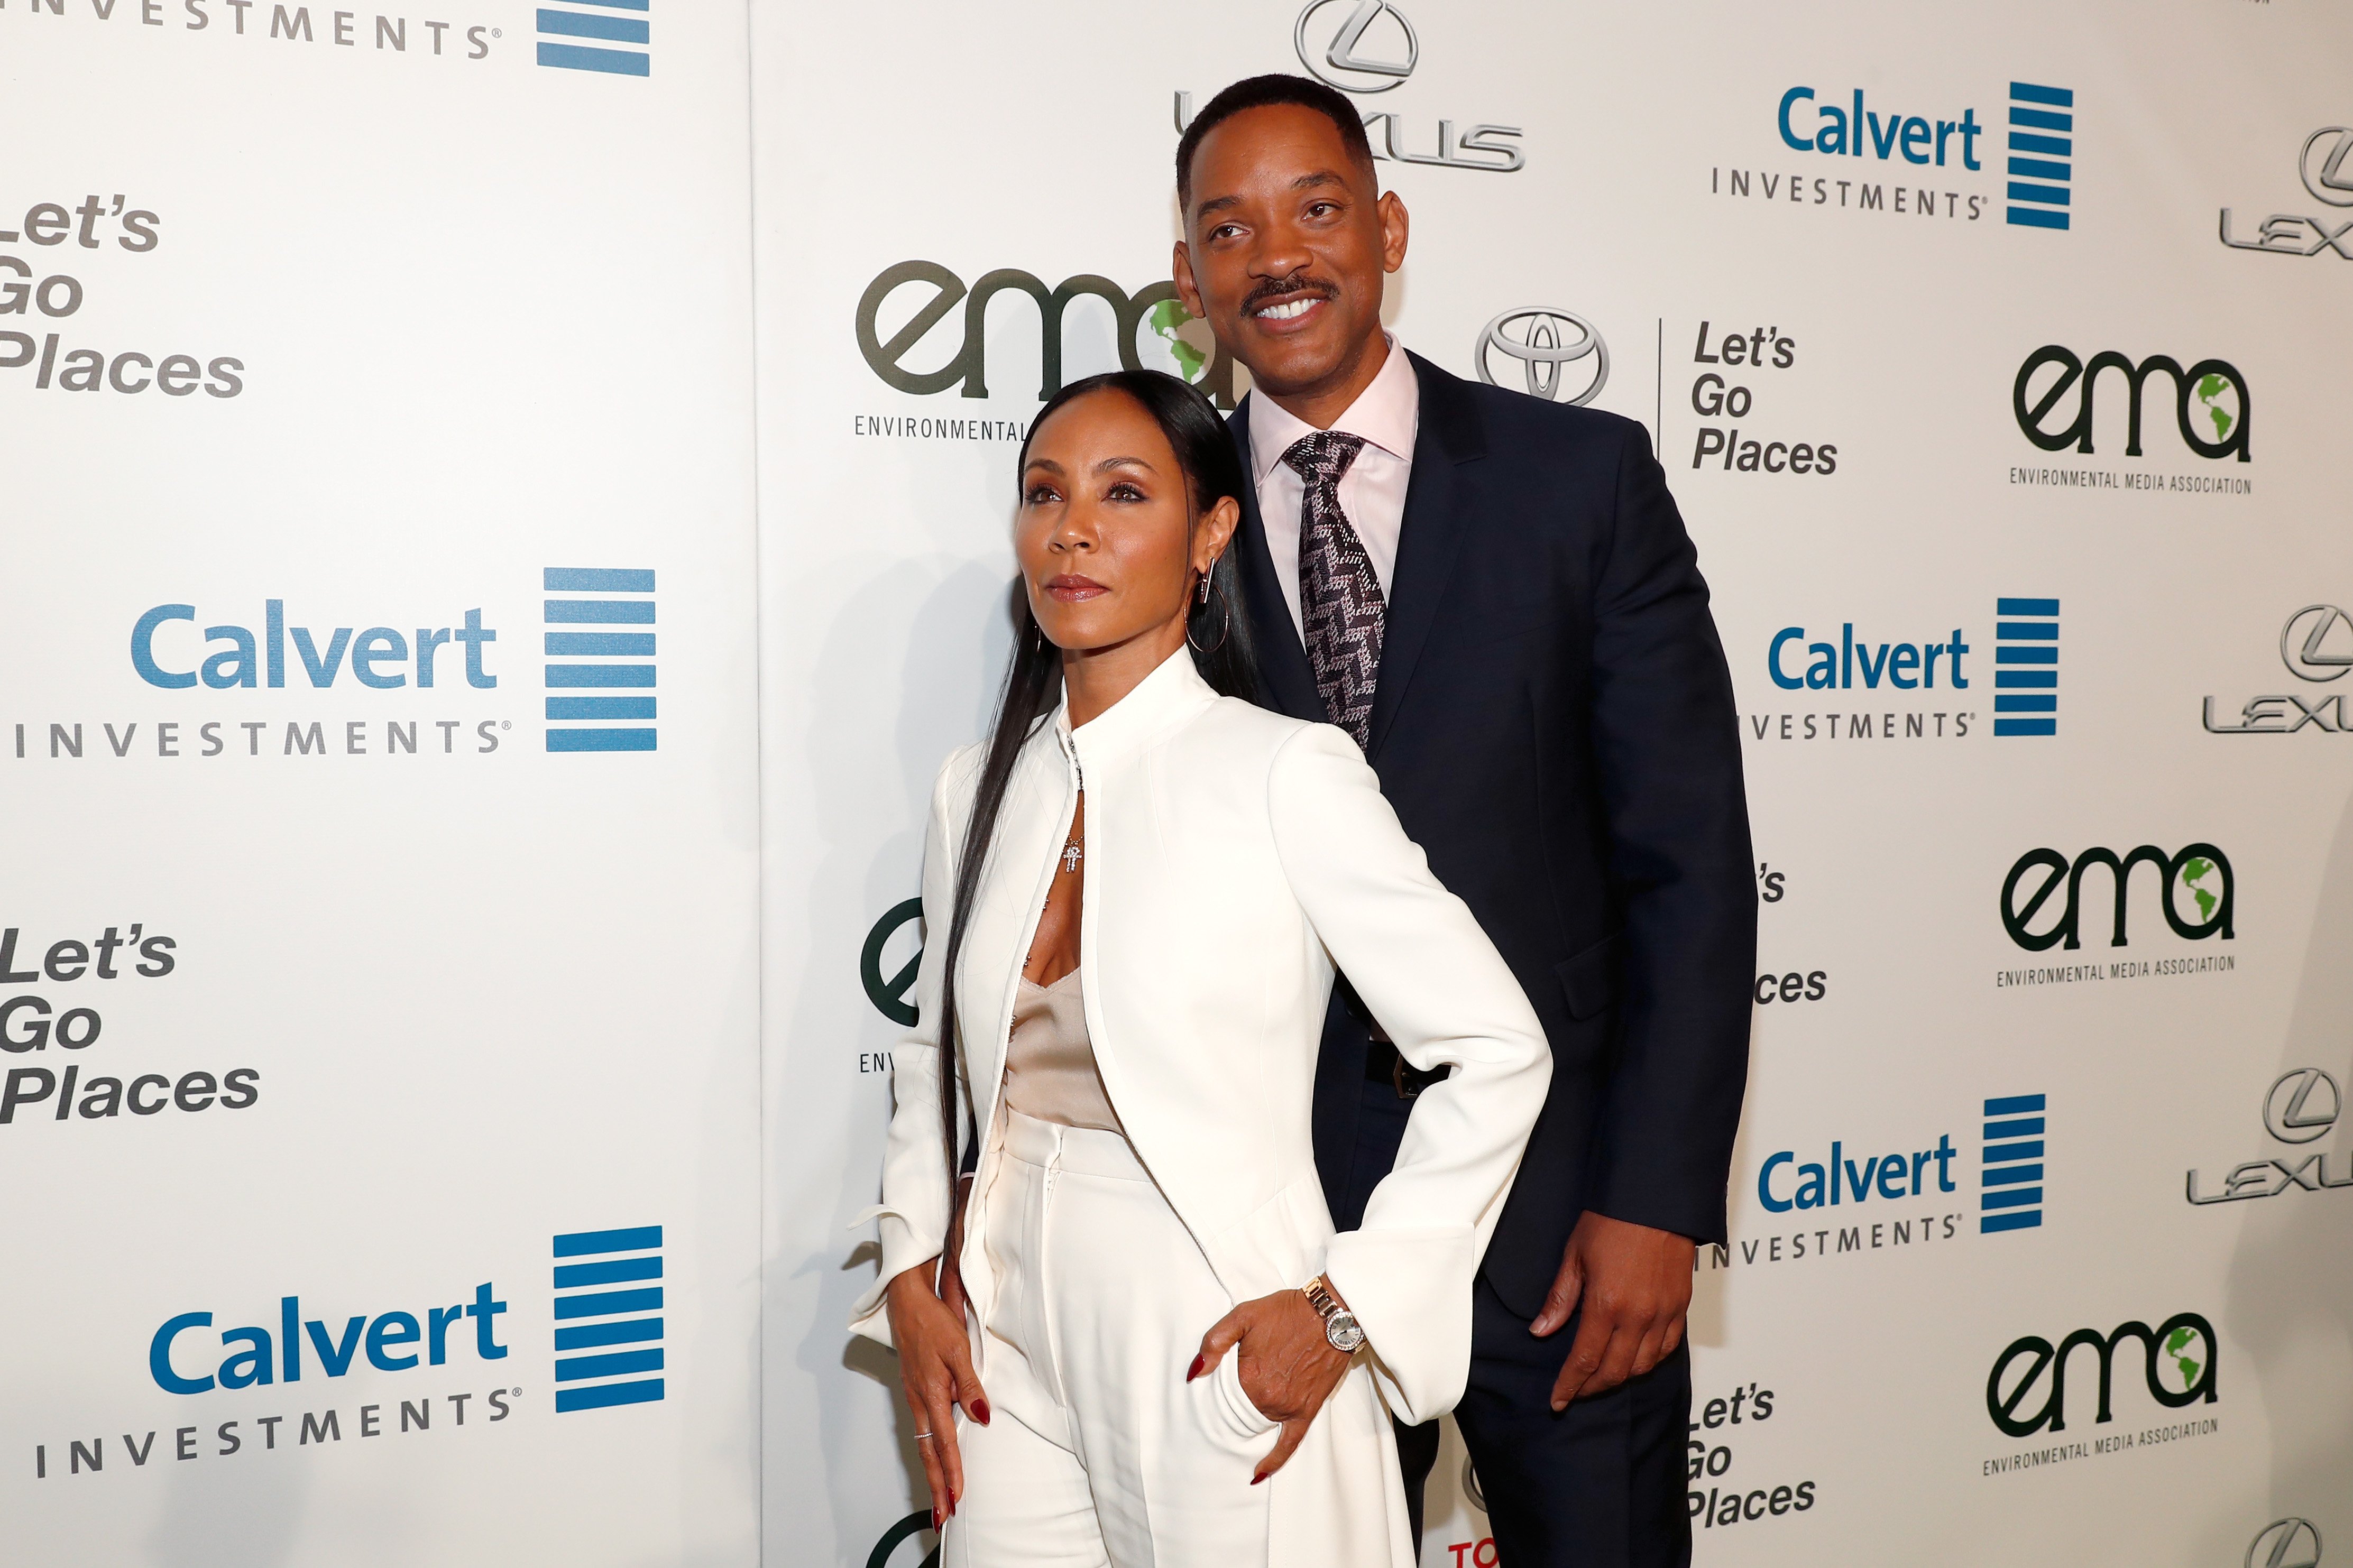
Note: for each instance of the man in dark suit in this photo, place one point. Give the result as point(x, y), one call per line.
point(1496, 596)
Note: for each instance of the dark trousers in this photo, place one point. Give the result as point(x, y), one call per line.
point(1600, 1485)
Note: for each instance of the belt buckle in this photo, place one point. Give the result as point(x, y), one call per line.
point(1396, 1075)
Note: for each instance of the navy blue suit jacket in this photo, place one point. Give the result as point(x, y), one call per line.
point(1555, 725)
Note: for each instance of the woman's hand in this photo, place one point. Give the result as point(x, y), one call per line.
point(935, 1367)
point(1288, 1367)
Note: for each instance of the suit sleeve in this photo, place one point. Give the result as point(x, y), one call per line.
point(1428, 972)
point(1666, 747)
point(914, 1214)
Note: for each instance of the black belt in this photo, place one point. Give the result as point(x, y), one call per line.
point(1383, 1064)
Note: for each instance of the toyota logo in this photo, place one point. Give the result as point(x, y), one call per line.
point(1344, 62)
point(2302, 1106)
point(2321, 164)
point(2303, 640)
point(1545, 343)
point(2286, 1543)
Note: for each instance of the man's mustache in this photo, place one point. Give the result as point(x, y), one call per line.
point(1275, 289)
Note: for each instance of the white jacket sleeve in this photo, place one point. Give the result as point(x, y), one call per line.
point(913, 1213)
point(1433, 980)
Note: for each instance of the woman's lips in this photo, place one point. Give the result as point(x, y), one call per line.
point(1070, 588)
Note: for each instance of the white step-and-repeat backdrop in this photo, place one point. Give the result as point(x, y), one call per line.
point(474, 652)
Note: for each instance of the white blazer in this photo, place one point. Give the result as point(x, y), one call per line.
point(1234, 856)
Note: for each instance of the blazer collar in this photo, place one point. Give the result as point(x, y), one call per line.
point(1171, 696)
point(1439, 497)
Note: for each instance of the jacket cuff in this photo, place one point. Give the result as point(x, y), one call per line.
point(1410, 1292)
point(903, 1247)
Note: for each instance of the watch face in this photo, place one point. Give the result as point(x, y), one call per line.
point(1343, 1333)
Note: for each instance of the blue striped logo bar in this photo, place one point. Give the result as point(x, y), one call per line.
point(2010, 1182)
point(585, 646)
point(606, 1305)
point(2026, 667)
point(576, 40)
point(2042, 153)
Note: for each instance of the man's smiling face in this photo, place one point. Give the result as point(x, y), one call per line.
point(1286, 244)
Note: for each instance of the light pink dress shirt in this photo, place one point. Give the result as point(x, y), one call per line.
point(1372, 492)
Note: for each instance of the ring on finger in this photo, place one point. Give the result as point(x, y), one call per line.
point(923, 1437)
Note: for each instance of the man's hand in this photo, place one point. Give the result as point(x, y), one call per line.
point(1288, 1367)
point(1636, 1285)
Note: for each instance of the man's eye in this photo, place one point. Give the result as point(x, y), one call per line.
point(1224, 231)
point(1320, 209)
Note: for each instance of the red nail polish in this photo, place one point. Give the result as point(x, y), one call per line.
point(936, 1521)
point(980, 1411)
point(1195, 1371)
point(1255, 1479)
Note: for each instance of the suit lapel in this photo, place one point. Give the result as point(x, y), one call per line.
point(1282, 657)
point(1440, 497)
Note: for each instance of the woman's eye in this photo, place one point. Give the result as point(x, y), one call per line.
point(1037, 495)
point(1124, 492)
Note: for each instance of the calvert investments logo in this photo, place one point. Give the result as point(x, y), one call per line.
point(1367, 47)
point(608, 1324)
point(2011, 1158)
point(1541, 344)
point(2329, 175)
point(562, 31)
point(1914, 673)
point(2301, 1108)
point(2316, 645)
point(1920, 158)
point(618, 666)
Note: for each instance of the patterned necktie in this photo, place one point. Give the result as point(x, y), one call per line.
point(1339, 598)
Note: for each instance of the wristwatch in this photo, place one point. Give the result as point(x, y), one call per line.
point(1340, 1325)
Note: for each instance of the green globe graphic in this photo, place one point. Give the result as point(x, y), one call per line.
point(2193, 877)
point(2209, 391)
point(2185, 1348)
point(1167, 319)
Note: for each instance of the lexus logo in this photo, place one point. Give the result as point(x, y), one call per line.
point(2323, 165)
point(1351, 61)
point(1545, 343)
point(2303, 643)
point(2286, 1543)
point(2302, 1106)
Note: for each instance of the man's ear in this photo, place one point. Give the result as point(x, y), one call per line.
point(1395, 227)
point(1180, 272)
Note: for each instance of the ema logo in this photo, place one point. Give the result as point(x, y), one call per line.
point(620, 598)
point(2042, 127)
point(2200, 873)
point(600, 1318)
point(2026, 677)
point(2011, 1181)
point(2179, 1371)
point(2212, 393)
point(607, 30)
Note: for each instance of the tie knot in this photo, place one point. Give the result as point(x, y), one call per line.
point(1322, 457)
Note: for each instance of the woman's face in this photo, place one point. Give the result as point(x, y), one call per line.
point(1107, 545)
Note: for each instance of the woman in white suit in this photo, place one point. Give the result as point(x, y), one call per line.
point(1136, 892)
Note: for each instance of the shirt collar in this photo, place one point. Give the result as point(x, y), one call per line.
point(1385, 415)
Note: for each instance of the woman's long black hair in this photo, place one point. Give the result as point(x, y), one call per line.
point(1217, 632)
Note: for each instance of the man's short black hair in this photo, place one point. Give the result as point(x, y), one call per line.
point(1262, 92)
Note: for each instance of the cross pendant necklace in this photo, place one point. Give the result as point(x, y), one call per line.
point(1072, 852)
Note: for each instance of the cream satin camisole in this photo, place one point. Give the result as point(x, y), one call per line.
point(1050, 1062)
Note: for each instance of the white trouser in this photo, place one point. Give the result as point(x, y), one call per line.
point(1099, 1454)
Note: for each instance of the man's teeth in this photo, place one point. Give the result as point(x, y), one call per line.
point(1286, 312)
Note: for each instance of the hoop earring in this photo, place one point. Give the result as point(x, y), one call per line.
point(1225, 622)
